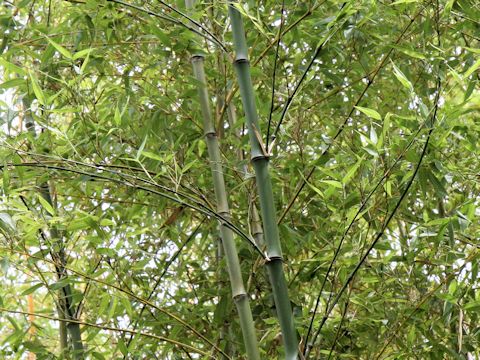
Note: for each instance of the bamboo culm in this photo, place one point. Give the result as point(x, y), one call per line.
point(240, 296)
point(260, 162)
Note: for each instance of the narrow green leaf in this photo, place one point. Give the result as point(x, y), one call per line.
point(369, 112)
point(386, 124)
point(82, 53)
point(37, 90)
point(7, 223)
point(85, 63)
point(473, 50)
point(472, 306)
point(333, 183)
point(59, 284)
point(12, 67)
point(140, 149)
point(452, 287)
point(152, 155)
point(117, 117)
point(107, 222)
point(448, 7)
point(61, 49)
point(409, 52)
point(472, 68)
point(437, 185)
point(351, 214)
point(317, 190)
point(127, 306)
point(98, 356)
point(352, 171)
point(122, 347)
point(373, 135)
point(46, 205)
point(441, 221)
point(112, 308)
point(12, 83)
point(398, 2)
point(402, 78)
point(388, 187)
point(31, 289)
point(6, 180)
point(78, 224)
point(103, 306)
point(23, 3)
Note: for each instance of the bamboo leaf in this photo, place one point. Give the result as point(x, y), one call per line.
point(122, 347)
point(7, 223)
point(472, 69)
point(151, 155)
point(369, 112)
point(317, 190)
point(140, 149)
point(85, 53)
point(402, 78)
point(334, 183)
point(46, 205)
point(37, 90)
point(409, 52)
point(117, 117)
point(472, 306)
point(12, 67)
point(448, 7)
point(473, 50)
point(61, 49)
point(31, 289)
point(398, 2)
point(351, 172)
point(85, 63)
point(12, 83)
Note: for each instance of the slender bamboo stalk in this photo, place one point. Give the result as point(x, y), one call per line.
point(240, 296)
point(259, 158)
point(65, 308)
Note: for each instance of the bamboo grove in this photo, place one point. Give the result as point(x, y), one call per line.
point(240, 179)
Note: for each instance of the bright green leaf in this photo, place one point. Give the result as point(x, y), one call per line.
point(37, 90)
point(369, 112)
point(61, 49)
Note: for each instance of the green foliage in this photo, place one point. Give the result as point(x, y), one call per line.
point(118, 139)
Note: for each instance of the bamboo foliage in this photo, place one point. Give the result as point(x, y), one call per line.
point(109, 212)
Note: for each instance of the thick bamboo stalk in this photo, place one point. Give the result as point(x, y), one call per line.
point(259, 158)
point(240, 296)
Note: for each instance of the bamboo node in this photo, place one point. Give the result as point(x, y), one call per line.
point(239, 297)
point(197, 57)
point(269, 259)
point(259, 157)
point(241, 60)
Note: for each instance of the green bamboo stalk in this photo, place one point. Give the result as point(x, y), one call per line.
point(64, 307)
point(62, 331)
point(260, 161)
point(240, 296)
